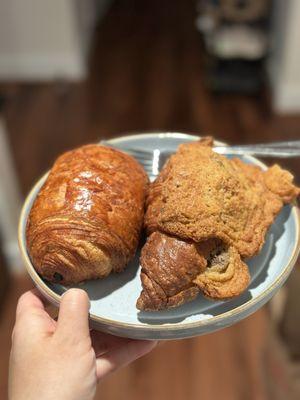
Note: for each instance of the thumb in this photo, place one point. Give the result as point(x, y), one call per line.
point(73, 316)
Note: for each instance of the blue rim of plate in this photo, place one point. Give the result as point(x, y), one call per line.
point(171, 327)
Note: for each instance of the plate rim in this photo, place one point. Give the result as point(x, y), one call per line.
point(170, 327)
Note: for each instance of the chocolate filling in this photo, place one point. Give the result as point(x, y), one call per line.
point(57, 277)
point(218, 259)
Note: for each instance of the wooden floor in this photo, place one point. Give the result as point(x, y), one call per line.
point(146, 73)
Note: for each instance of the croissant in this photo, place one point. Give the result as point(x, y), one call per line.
point(86, 219)
point(206, 214)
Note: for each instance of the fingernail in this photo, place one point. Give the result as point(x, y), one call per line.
point(75, 294)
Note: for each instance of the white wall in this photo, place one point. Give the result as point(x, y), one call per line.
point(43, 39)
point(10, 203)
point(284, 63)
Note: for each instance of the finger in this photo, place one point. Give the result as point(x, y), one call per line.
point(103, 342)
point(40, 295)
point(73, 315)
point(31, 316)
point(123, 355)
point(31, 300)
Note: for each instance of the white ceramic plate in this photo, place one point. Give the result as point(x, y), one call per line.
point(113, 299)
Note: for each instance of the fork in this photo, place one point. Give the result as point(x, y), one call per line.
point(153, 160)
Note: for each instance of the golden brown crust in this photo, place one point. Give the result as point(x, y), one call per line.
point(212, 196)
point(174, 271)
point(224, 280)
point(199, 201)
point(86, 219)
point(169, 267)
point(280, 182)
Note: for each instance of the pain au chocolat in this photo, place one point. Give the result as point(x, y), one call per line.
point(206, 214)
point(85, 221)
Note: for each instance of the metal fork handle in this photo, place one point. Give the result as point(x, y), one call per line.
point(265, 151)
point(284, 144)
point(276, 149)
